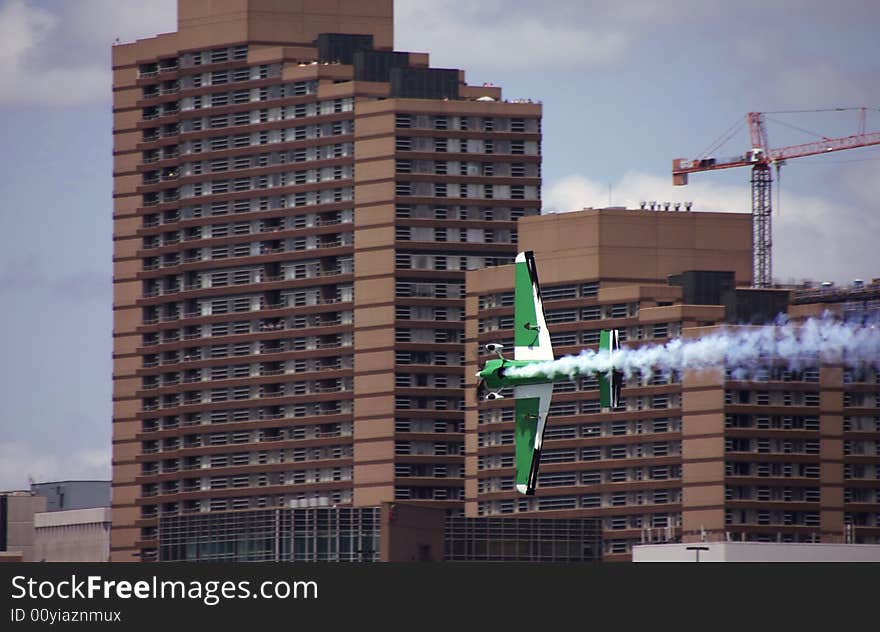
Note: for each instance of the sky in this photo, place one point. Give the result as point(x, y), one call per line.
point(626, 87)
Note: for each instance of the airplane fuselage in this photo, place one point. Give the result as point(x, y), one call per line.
point(495, 378)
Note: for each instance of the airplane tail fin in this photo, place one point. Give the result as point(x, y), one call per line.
point(610, 383)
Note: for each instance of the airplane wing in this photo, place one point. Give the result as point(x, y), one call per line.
point(531, 338)
point(609, 384)
point(532, 406)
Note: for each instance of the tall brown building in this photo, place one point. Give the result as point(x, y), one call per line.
point(295, 206)
point(786, 455)
point(792, 456)
point(600, 269)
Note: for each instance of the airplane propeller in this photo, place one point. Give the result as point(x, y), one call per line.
point(482, 391)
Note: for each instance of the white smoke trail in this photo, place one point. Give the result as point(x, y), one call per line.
point(743, 350)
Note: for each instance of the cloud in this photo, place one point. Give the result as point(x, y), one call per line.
point(503, 36)
point(811, 233)
point(818, 83)
point(24, 29)
point(62, 57)
point(20, 463)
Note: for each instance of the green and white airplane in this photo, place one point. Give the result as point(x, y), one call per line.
point(532, 394)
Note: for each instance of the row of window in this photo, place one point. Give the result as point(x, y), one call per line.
point(244, 436)
point(772, 398)
point(243, 415)
point(235, 328)
point(428, 289)
point(439, 358)
point(244, 73)
point(771, 470)
point(455, 235)
point(624, 500)
point(428, 448)
point(195, 58)
point(458, 212)
point(552, 293)
point(772, 422)
point(590, 453)
point(421, 470)
point(265, 227)
point(266, 93)
point(290, 477)
point(222, 187)
point(461, 191)
point(428, 380)
point(438, 336)
point(403, 492)
point(772, 494)
point(766, 517)
point(586, 477)
point(420, 424)
point(324, 498)
point(862, 400)
point(271, 347)
point(428, 403)
point(251, 249)
point(482, 146)
point(593, 430)
point(767, 445)
point(408, 261)
point(286, 389)
point(469, 168)
point(177, 400)
point(778, 374)
point(467, 123)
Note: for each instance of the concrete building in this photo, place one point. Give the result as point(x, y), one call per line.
point(17, 509)
point(73, 535)
point(788, 456)
point(755, 552)
point(600, 268)
point(406, 531)
point(791, 455)
point(295, 206)
point(59, 521)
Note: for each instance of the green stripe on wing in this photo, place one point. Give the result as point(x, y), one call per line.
point(524, 308)
point(525, 433)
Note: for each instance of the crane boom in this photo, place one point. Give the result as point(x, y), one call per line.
point(760, 158)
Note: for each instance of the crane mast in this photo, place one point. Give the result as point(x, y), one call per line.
point(760, 157)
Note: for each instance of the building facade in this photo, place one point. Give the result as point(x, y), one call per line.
point(785, 455)
point(295, 207)
point(72, 535)
point(788, 456)
point(17, 510)
point(66, 495)
point(406, 531)
point(600, 269)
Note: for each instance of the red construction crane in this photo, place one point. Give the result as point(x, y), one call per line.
point(760, 158)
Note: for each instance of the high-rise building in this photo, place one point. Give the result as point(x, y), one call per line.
point(602, 269)
point(787, 455)
point(295, 206)
point(783, 456)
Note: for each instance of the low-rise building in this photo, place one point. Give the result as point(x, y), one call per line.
point(17, 509)
point(756, 552)
point(75, 535)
